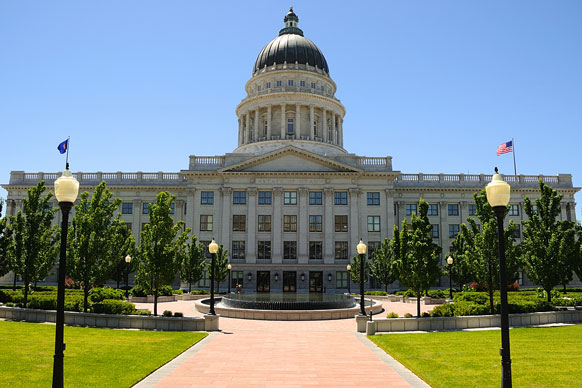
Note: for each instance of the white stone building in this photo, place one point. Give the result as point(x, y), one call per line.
point(290, 203)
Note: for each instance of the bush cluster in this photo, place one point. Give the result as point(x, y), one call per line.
point(98, 294)
point(377, 293)
point(113, 306)
point(392, 315)
point(199, 292)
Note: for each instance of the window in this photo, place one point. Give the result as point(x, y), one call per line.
point(126, 208)
point(239, 223)
point(238, 250)
point(341, 223)
point(236, 277)
point(472, 210)
point(453, 209)
point(185, 207)
point(264, 197)
point(205, 281)
point(315, 250)
point(265, 223)
point(205, 244)
point(290, 82)
point(128, 225)
point(453, 230)
point(205, 223)
point(410, 208)
point(373, 246)
point(373, 199)
point(302, 84)
point(340, 198)
point(172, 207)
point(145, 208)
point(207, 198)
point(239, 197)
point(517, 232)
point(341, 279)
point(435, 230)
point(279, 84)
point(289, 223)
point(289, 250)
point(264, 250)
point(289, 126)
point(290, 198)
point(313, 85)
point(514, 210)
point(268, 85)
point(433, 210)
point(259, 88)
point(315, 197)
point(315, 224)
point(341, 250)
point(373, 223)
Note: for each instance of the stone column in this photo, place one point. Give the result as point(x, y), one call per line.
point(341, 132)
point(444, 225)
point(225, 221)
point(247, 127)
point(324, 126)
point(282, 121)
point(463, 211)
point(136, 220)
point(190, 206)
point(269, 122)
point(298, 121)
point(256, 133)
point(311, 120)
point(390, 217)
point(240, 139)
point(355, 232)
point(328, 227)
point(252, 225)
point(277, 227)
point(400, 214)
point(333, 134)
point(302, 228)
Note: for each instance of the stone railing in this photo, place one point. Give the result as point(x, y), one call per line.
point(561, 180)
point(206, 162)
point(93, 178)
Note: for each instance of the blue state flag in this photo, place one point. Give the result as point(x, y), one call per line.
point(63, 146)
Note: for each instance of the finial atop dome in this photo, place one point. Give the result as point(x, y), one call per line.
point(291, 20)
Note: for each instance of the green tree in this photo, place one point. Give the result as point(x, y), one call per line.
point(161, 242)
point(192, 262)
point(122, 244)
point(416, 257)
point(461, 270)
point(34, 246)
point(381, 264)
point(5, 240)
point(220, 267)
point(355, 271)
point(550, 249)
point(90, 239)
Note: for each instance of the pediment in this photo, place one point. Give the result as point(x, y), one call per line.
point(290, 159)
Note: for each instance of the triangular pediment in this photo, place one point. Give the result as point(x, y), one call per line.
point(290, 159)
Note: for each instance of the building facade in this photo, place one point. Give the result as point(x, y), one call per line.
point(290, 203)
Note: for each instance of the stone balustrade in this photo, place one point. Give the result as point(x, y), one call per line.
point(474, 180)
point(111, 178)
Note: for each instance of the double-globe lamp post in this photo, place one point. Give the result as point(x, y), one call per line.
point(229, 281)
point(349, 268)
point(66, 191)
point(450, 263)
point(498, 193)
point(213, 249)
point(361, 248)
point(127, 267)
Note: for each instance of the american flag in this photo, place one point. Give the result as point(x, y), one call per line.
point(505, 148)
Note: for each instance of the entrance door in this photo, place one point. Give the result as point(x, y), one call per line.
point(315, 281)
point(289, 281)
point(263, 281)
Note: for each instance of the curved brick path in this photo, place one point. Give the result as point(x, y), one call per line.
point(249, 353)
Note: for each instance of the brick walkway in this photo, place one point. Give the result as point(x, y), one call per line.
point(248, 353)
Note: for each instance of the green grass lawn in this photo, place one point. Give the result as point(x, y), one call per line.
point(541, 357)
point(93, 357)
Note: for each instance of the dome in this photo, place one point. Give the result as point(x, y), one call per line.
point(291, 47)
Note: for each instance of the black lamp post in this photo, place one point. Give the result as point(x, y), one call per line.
point(229, 281)
point(127, 264)
point(66, 190)
point(450, 263)
point(349, 268)
point(498, 194)
point(361, 248)
point(212, 248)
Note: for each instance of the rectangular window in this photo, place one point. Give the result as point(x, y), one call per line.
point(238, 250)
point(472, 210)
point(435, 230)
point(433, 210)
point(453, 230)
point(373, 199)
point(268, 85)
point(289, 223)
point(315, 198)
point(315, 250)
point(172, 207)
point(239, 197)
point(373, 246)
point(205, 281)
point(517, 231)
point(341, 279)
point(341, 250)
point(185, 207)
point(514, 210)
point(290, 250)
point(145, 208)
point(340, 198)
point(259, 88)
point(289, 126)
point(313, 85)
point(290, 198)
point(205, 244)
point(302, 84)
point(127, 208)
point(341, 223)
point(290, 82)
point(315, 224)
point(279, 84)
point(410, 208)
point(239, 223)
point(453, 209)
point(205, 223)
point(264, 250)
point(143, 225)
point(128, 225)
point(265, 197)
point(265, 223)
point(373, 223)
point(236, 277)
point(207, 198)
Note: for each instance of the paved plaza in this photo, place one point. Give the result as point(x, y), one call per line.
point(251, 353)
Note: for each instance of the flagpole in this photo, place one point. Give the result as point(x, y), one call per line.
point(514, 165)
point(68, 145)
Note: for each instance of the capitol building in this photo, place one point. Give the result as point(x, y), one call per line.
point(291, 202)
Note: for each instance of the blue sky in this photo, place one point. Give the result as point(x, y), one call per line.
point(438, 85)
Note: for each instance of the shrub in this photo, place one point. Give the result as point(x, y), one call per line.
point(475, 297)
point(443, 310)
point(463, 308)
point(99, 294)
point(177, 292)
point(167, 313)
point(113, 306)
point(178, 314)
point(407, 315)
point(139, 291)
point(513, 287)
point(10, 304)
point(440, 294)
point(425, 315)
point(70, 283)
point(377, 293)
point(10, 296)
point(142, 312)
point(165, 291)
point(199, 292)
point(43, 302)
point(392, 315)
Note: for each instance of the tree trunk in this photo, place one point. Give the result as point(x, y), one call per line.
point(565, 290)
point(155, 302)
point(491, 306)
point(386, 287)
point(189, 287)
point(549, 293)
point(117, 283)
point(14, 284)
point(25, 279)
point(418, 305)
point(85, 296)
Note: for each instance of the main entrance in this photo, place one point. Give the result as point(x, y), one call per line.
point(263, 281)
point(315, 281)
point(289, 281)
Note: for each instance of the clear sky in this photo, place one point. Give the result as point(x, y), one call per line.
point(438, 85)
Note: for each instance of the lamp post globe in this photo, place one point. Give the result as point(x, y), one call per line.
point(212, 248)
point(450, 264)
point(498, 195)
point(66, 191)
point(361, 249)
point(229, 281)
point(349, 268)
point(127, 264)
